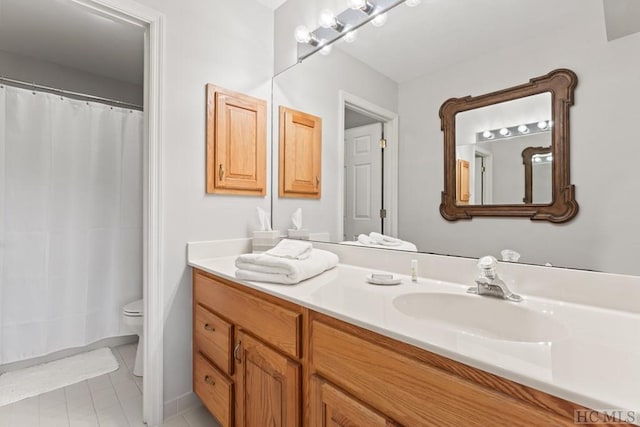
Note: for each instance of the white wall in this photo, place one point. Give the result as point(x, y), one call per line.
point(24, 68)
point(297, 88)
point(229, 43)
point(604, 151)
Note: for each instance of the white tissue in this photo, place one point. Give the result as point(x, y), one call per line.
point(296, 219)
point(264, 219)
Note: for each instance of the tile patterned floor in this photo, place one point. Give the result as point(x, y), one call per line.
point(112, 400)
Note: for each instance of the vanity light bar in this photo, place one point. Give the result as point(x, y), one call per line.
point(334, 27)
point(514, 131)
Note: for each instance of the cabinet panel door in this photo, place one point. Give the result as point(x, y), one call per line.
point(332, 407)
point(268, 384)
point(236, 143)
point(300, 154)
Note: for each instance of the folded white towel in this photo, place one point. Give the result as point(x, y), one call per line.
point(291, 249)
point(267, 268)
point(381, 239)
point(365, 239)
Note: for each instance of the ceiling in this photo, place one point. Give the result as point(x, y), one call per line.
point(69, 34)
point(440, 33)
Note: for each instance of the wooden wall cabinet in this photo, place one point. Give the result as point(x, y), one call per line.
point(262, 361)
point(300, 159)
point(236, 143)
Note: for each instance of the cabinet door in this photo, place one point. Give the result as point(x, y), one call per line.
point(300, 154)
point(462, 184)
point(268, 386)
point(236, 143)
point(332, 407)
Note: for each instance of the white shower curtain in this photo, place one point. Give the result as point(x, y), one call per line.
point(70, 221)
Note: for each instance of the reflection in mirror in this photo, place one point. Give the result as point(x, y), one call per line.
point(538, 169)
point(491, 139)
point(425, 55)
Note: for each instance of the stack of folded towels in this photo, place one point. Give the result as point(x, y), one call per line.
point(289, 262)
point(381, 240)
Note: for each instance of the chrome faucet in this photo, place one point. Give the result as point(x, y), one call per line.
point(489, 283)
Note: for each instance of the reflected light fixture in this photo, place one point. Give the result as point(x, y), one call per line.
point(379, 20)
point(351, 36)
point(488, 135)
point(506, 132)
point(413, 3)
point(328, 20)
point(303, 35)
point(363, 5)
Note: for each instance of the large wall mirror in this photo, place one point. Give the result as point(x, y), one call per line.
point(393, 80)
point(489, 159)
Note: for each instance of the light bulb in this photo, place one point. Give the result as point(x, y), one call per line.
point(357, 4)
point(542, 125)
point(550, 124)
point(327, 19)
point(505, 132)
point(487, 135)
point(302, 34)
point(326, 50)
point(413, 3)
point(379, 20)
point(523, 129)
point(351, 36)
point(537, 159)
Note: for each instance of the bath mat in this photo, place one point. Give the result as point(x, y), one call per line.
point(35, 380)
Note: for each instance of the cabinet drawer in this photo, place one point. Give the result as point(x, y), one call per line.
point(215, 391)
point(214, 338)
point(411, 391)
point(279, 326)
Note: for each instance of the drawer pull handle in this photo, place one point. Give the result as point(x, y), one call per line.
point(209, 380)
point(235, 352)
point(208, 327)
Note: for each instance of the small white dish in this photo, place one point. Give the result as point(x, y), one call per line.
point(383, 279)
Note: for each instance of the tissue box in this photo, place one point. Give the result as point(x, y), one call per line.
point(264, 240)
point(298, 234)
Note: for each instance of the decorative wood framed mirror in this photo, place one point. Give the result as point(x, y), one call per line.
point(492, 132)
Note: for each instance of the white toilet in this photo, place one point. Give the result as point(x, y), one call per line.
point(133, 318)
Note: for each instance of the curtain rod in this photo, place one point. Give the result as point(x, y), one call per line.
point(71, 94)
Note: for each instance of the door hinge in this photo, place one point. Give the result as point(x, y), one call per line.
point(383, 213)
point(383, 143)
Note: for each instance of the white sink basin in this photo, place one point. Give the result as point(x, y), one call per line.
point(481, 316)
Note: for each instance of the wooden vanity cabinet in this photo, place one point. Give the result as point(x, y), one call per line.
point(247, 350)
point(262, 361)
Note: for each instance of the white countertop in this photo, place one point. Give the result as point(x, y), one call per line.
point(593, 358)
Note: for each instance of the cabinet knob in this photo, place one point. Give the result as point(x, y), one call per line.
point(208, 327)
point(235, 352)
point(221, 172)
point(209, 380)
point(317, 181)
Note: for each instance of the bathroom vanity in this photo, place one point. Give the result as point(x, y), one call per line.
point(335, 351)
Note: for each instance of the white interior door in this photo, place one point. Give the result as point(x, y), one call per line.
point(363, 180)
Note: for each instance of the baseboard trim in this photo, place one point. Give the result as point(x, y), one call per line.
point(181, 404)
